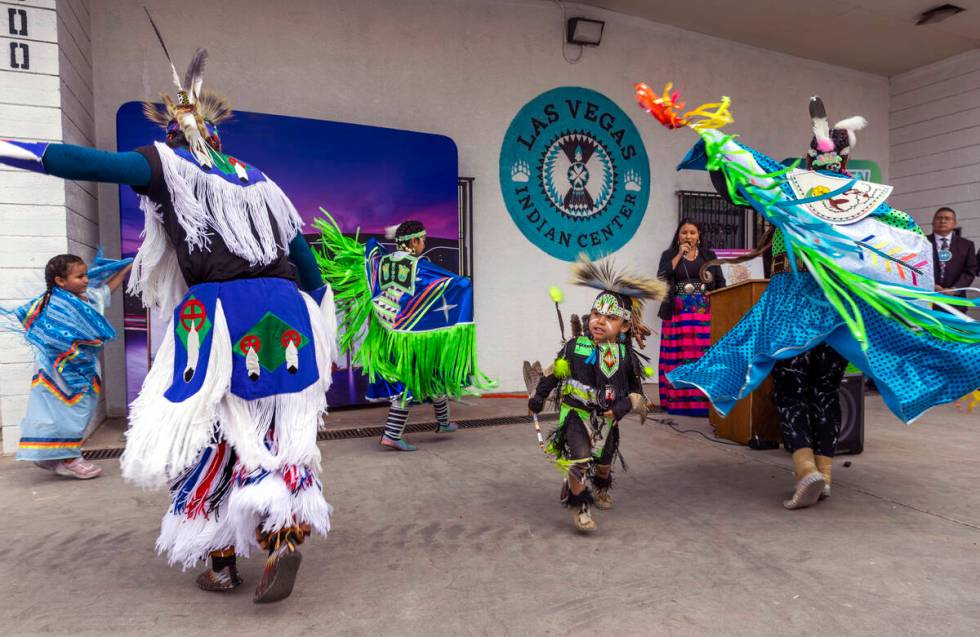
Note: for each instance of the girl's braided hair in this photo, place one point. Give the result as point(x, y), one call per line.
point(57, 267)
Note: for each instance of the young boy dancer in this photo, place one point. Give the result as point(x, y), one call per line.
point(598, 380)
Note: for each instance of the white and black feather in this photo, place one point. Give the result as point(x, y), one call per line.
point(165, 51)
point(194, 77)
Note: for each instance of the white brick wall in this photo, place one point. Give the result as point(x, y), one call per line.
point(935, 141)
point(49, 99)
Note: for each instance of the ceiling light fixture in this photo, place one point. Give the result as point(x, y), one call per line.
point(938, 14)
point(584, 32)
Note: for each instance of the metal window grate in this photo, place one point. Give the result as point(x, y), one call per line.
point(723, 225)
point(465, 194)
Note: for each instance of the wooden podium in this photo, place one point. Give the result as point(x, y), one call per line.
point(754, 415)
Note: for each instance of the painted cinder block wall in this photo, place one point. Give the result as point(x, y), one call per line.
point(935, 140)
point(45, 93)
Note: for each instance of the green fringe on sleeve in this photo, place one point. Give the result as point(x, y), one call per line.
point(343, 266)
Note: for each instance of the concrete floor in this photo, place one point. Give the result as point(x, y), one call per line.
point(111, 433)
point(465, 537)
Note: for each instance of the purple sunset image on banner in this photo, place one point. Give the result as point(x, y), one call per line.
point(366, 177)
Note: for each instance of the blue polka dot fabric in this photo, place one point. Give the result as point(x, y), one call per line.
point(914, 371)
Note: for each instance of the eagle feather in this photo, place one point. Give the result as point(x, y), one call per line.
point(194, 77)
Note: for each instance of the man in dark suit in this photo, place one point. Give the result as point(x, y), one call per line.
point(954, 258)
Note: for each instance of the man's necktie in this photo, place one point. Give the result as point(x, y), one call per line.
point(942, 262)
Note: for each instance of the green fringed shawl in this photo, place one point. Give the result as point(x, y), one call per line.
point(431, 364)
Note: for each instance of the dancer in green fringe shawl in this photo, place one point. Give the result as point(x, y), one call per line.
point(598, 382)
point(410, 320)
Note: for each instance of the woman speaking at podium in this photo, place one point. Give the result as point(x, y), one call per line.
point(686, 314)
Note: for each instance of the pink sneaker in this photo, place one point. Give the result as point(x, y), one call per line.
point(78, 468)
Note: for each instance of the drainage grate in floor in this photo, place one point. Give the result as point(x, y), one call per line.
point(369, 432)
point(376, 430)
point(102, 454)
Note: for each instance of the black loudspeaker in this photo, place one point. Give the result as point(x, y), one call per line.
point(851, 438)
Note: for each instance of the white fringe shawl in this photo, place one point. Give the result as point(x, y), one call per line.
point(164, 438)
point(186, 541)
point(327, 312)
point(297, 416)
point(204, 203)
point(269, 504)
point(244, 424)
point(156, 276)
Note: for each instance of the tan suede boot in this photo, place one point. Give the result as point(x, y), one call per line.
point(581, 508)
point(809, 481)
point(582, 517)
point(824, 465)
point(601, 486)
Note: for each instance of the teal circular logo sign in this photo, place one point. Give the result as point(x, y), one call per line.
point(574, 173)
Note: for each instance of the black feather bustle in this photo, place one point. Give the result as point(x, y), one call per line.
point(602, 483)
point(622, 460)
point(554, 399)
point(575, 501)
point(210, 107)
point(556, 439)
point(603, 275)
point(157, 114)
point(213, 107)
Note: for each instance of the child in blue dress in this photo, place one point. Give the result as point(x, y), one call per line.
point(66, 327)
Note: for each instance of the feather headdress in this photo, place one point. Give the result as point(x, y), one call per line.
point(209, 106)
point(830, 147)
point(605, 277)
point(194, 109)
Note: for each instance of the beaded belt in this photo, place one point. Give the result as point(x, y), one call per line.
point(690, 287)
point(780, 265)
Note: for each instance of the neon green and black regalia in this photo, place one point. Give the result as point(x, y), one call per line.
point(408, 322)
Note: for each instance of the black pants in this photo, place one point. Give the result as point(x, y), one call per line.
point(578, 443)
point(807, 399)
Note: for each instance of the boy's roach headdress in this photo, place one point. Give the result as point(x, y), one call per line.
point(622, 293)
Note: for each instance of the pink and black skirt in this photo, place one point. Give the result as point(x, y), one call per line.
point(684, 339)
